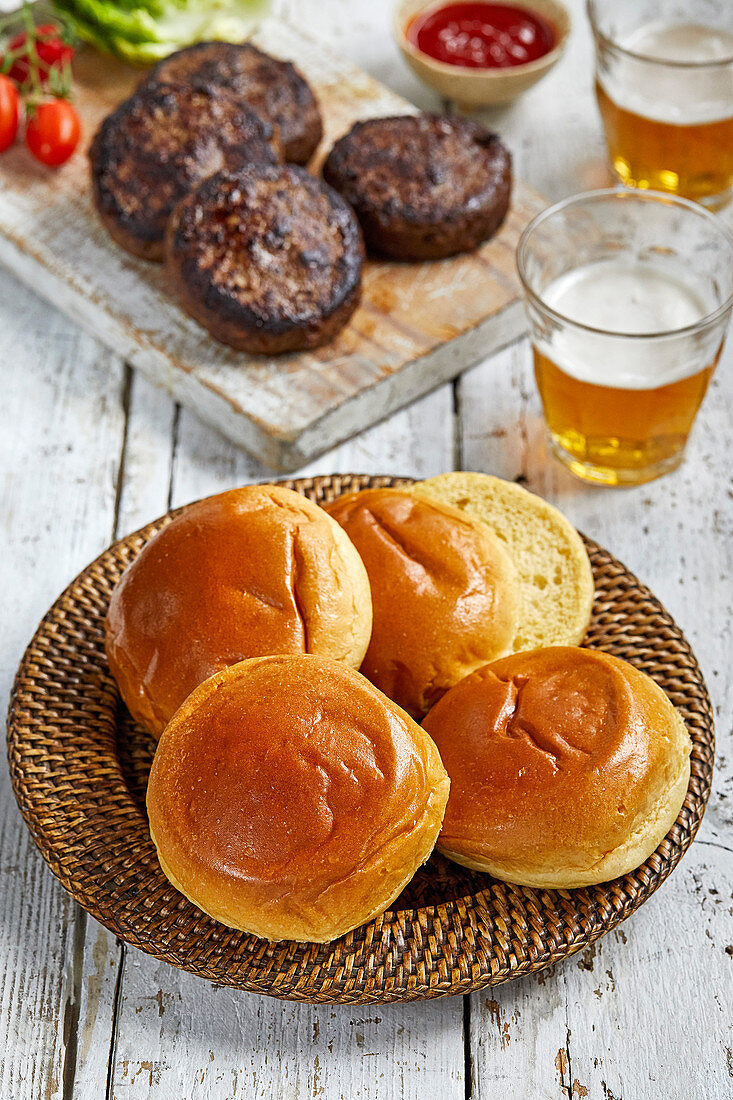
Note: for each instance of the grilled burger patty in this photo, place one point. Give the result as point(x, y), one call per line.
point(157, 146)
point(274, 89)
point(422, 186)
point(268, 259)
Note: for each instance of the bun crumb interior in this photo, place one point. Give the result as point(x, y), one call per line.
point(554, 573)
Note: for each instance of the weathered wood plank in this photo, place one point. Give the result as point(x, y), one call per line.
point(142, 494)
point(98, 964)
point(650, 1013)
point(179, 1036)
point(644, 1012)
point(59, 449)
point(147, 466)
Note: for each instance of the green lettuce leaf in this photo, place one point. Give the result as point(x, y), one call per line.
point(144, 31)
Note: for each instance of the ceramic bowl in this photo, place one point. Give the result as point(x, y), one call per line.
point(471, 88)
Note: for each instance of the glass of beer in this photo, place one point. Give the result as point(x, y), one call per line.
point(664, 82)
point(629, 294)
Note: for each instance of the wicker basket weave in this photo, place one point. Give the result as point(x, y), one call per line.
point(79, 768)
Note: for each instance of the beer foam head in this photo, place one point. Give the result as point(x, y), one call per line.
point(681, 42)
point(695, 95)
point(623, 298)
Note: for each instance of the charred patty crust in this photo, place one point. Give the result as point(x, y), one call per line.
point(274, 89)
point(268, 259)
point(423, 186)
point(158, 145)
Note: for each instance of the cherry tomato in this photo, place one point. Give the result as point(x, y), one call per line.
point(9, 112)
point(52, 133)
point(52, 52)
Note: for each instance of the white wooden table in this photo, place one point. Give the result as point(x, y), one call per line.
point(89, 451)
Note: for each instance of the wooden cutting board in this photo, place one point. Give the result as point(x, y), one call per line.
point(418, 325)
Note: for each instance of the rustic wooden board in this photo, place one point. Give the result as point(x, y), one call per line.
point(418, 325)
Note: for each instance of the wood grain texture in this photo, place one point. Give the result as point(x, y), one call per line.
point(59, 453)
point(187, 1038)
point(643, 1012)
point(661, 1034)
point(418, 324)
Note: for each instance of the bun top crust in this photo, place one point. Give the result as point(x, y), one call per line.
point(444, 593)
point(249, 572)
point(556, 757)
point(288, 797)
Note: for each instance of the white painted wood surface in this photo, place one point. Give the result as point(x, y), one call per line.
point(88, 450)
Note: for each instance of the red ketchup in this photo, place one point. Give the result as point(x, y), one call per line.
point(482, 36)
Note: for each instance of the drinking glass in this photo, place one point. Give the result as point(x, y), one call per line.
point(664, 83)
point(629, 294)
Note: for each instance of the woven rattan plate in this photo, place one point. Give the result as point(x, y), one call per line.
point(79, 768)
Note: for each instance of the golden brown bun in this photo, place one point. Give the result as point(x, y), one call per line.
point(568, 767)
point(253, 571)
point(554, 573)
point(443, 590)
point(289, 798)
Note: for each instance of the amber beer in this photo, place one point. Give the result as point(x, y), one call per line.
point(621, 415)
point(666, 100)
point(695, 161)
point(615, 432)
